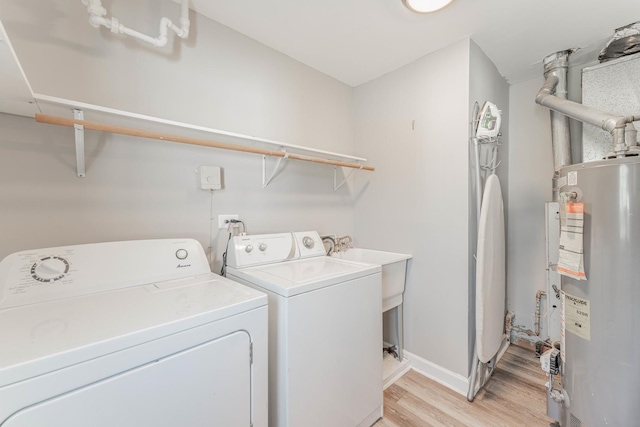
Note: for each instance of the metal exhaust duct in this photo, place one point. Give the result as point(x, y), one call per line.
point(553, 95)
point(616, 125)
point(556, 65)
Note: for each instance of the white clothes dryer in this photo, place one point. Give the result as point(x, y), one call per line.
point(325, 361)
point(129, 334)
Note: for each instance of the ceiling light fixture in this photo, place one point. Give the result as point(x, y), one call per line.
point(425, 6)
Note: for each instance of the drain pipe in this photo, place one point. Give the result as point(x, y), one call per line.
point(97, 19)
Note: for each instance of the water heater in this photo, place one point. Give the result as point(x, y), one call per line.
point(601, 378)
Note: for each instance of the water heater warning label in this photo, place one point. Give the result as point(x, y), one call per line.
point(577, 316)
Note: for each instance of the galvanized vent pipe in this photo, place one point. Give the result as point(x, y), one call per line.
point(556, 65)
point(616, 125)
point(553, 95)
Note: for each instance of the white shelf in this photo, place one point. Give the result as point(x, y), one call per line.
point(57, 106)
point(17, 97)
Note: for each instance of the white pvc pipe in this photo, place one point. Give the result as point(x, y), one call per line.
point(97, 19)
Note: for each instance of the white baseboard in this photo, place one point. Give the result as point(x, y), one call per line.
point(392, 370)
point(372, 418)
point(437, 373)
point(447, 378)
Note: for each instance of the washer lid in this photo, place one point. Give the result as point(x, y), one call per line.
point(304, 275)
point(40, 338)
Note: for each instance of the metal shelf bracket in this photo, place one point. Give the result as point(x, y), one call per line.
point(337, 186)
point(79, 131)
point(265, 180)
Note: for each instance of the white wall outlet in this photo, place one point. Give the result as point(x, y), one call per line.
point(222, 220)
point(210, 178)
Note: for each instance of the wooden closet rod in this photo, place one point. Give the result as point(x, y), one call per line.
point(70, 122)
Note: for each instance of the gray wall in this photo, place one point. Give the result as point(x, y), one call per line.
point(138, 188)
point(530, 173)
point(412, 123)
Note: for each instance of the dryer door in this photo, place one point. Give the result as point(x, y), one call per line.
point(207, 385)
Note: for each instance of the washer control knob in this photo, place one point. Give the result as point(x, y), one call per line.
point(262, 247)
point(182, 254)
point(248, 248)
point(308, 242)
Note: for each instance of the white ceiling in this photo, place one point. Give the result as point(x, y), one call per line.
point(356, 41)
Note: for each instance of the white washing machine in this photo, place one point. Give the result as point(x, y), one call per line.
point(129, 334)
point(325, 362)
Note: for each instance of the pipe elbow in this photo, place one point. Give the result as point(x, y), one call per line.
point(542, 94)
point(160, 41)
point(611, 124)
point(614, 123)
point(96, 21)
point(94, 7)
point(165, 23)
point(548, 88)
point(184, 32)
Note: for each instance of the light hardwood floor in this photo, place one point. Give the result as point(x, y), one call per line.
point(513, 397)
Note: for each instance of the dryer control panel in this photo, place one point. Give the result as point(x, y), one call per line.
point(40, 275)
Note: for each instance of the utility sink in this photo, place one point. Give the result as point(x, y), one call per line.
point(394, 270)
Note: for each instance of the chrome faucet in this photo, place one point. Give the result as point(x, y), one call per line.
point(338, 244)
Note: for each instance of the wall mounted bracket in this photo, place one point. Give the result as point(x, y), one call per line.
point(265, 180)
point(79, 131)
point(337, 186)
